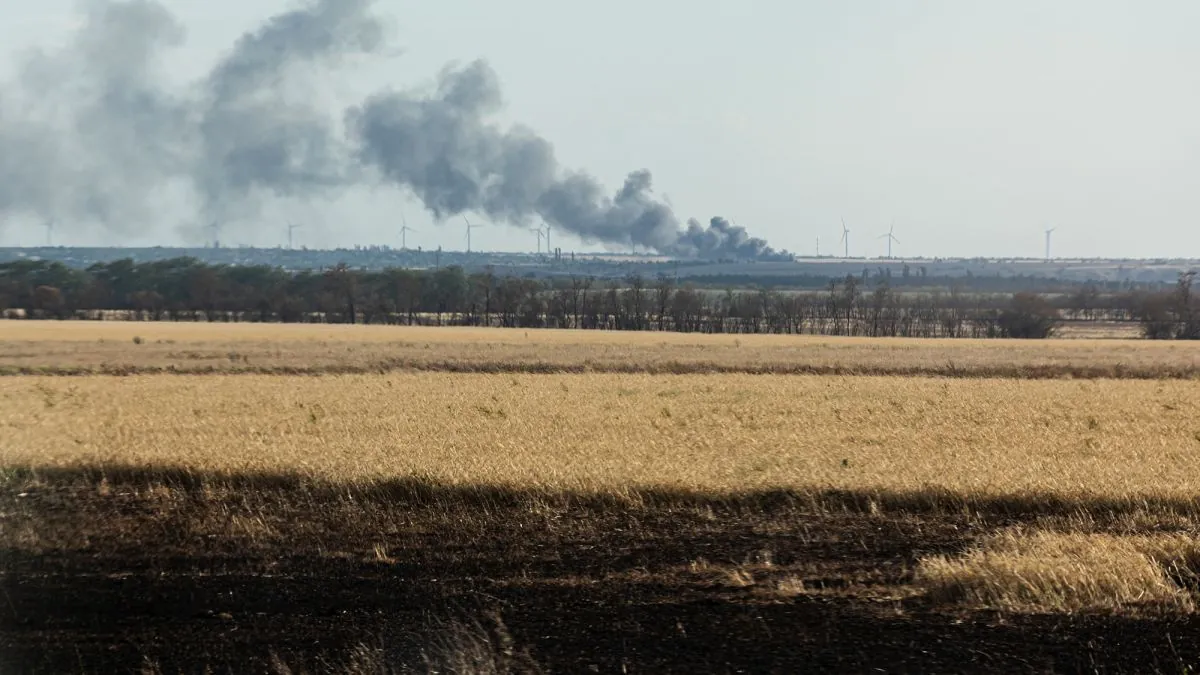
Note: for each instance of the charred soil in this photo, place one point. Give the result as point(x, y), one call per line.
point(160, 571)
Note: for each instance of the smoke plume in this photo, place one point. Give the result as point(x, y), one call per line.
point(92, 133)
point(87, 132)
point(253, 135)
point(442, 145)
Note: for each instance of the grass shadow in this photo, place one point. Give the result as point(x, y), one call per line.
point(418, 491)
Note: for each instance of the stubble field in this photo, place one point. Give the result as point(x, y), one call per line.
point(122, 348)
point(346, 500)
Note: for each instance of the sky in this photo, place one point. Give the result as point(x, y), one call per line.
point(972, 125)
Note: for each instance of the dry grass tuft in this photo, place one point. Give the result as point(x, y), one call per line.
point(380, 552)
point(479, 648)
point(790, 587)
point(1045, 571)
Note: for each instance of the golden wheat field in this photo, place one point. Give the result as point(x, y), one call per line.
point(611, 431)
point(33, 347)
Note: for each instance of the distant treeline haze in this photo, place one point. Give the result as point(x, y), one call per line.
point(187, 290)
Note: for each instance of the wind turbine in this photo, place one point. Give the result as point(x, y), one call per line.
point(540, 234)
point(216, 230)
point(1048, 231)
point(50, 232)
point(818, 246)
point(846, 237)
point(404, 230)
point(890, 236)
point(469, 228)
point(291, 228)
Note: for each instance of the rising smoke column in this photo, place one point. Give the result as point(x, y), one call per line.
point(442, 145)
point(90, 133)
point(258, 128)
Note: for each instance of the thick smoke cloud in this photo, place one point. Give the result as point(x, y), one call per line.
point(92, 134)
point(87, 132)
point(442, 145)
point(253, 135)
point(722, 238)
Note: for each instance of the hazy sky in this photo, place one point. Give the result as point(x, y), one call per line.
point(973, 124)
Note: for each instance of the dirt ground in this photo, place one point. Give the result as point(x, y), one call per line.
point(119, 570)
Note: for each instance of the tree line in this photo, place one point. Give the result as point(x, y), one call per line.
point(187, 290)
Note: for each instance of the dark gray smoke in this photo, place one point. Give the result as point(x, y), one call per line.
point(724, 239)
point(442, 145)
point(259, 128)
point(90, 134)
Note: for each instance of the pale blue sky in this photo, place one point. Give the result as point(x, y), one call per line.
point(973, 124)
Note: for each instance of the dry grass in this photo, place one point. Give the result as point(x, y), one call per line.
point(31, 347)
point(613, 433)
point(1048, 571)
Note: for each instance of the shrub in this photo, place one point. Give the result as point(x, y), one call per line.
point(1172, 315)
point(1028, 316)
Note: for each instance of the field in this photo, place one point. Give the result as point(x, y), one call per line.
point(352, 499)
point(121, 348)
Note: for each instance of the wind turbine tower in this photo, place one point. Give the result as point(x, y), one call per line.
point(540, 234)
point(216, 233)
point(1048, 231)
point(49, 233)
point(291, 228)
point(404, 230)
point(846, 238)
point(891, 237)
point(469, 228)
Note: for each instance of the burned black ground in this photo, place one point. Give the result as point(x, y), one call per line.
point(131, 570)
